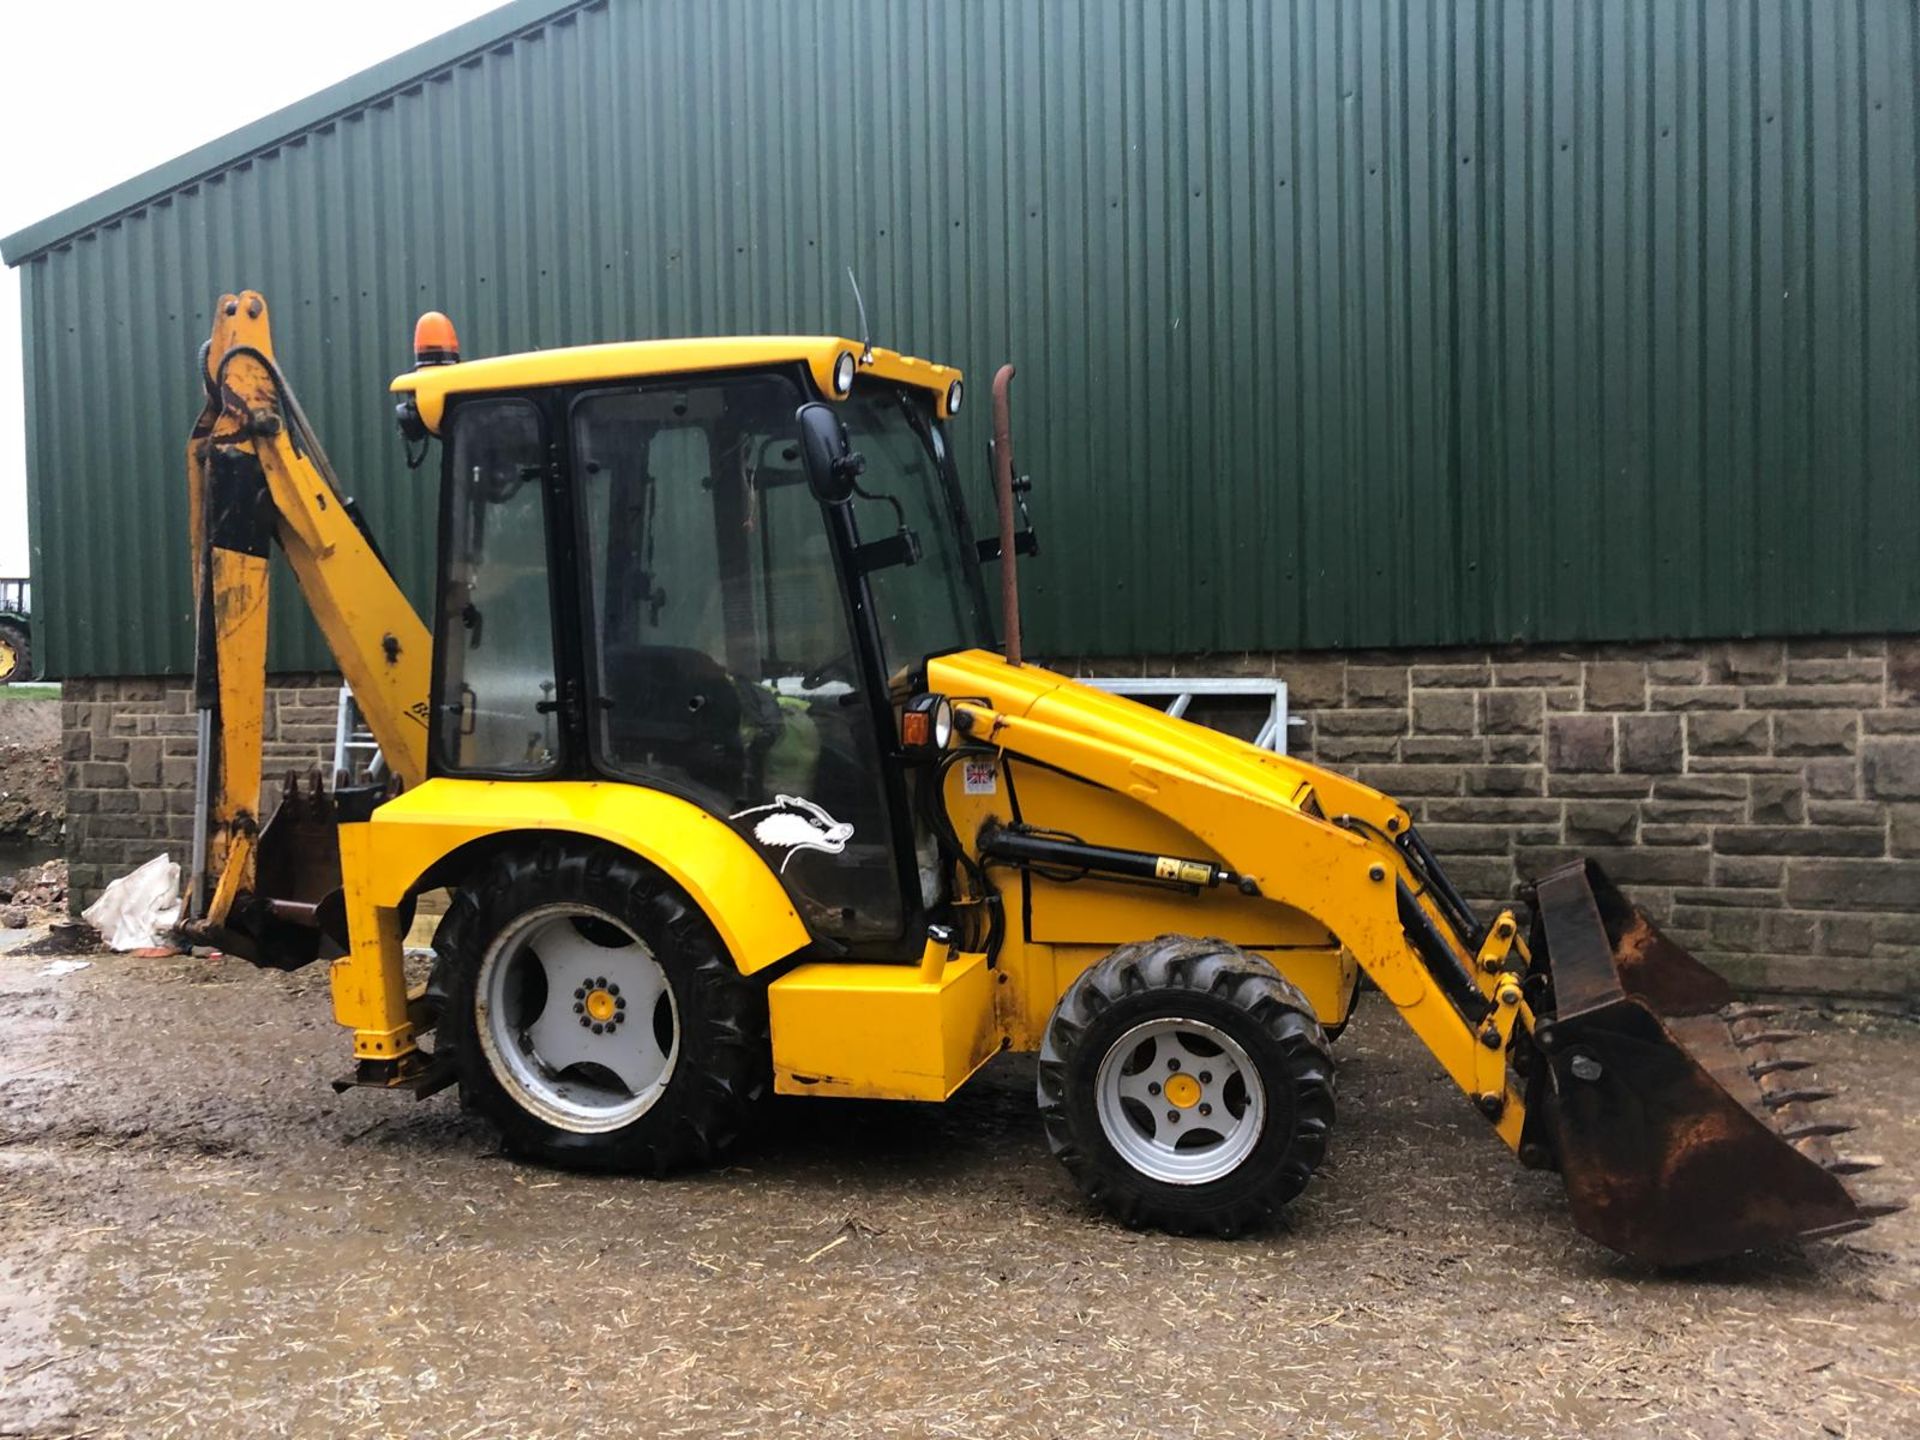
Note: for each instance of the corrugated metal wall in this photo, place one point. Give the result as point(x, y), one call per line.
point(1364, 323)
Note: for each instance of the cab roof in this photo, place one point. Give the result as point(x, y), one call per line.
point(650, 359)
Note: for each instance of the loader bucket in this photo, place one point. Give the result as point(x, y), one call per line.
point(1682, 1132)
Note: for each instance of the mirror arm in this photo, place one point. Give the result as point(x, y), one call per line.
point(902, 548)
point(1024, 543)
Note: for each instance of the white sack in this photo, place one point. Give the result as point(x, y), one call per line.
point(136, 911)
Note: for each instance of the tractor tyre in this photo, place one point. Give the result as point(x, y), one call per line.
point(16, 653)
point(594, 1013)
point(1186, 1086)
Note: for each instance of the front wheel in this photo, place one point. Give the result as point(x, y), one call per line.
point(1186, 1086)
point(595, 1014)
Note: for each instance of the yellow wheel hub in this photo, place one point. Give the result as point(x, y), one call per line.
point(600, 1005)
point(1183, 1091)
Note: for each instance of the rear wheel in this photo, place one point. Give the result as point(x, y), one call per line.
point(596, 1017)
point(16, 653)
point(1186, 1085)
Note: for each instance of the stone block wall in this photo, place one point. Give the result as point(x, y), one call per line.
point(128, 747)
point(1760, 798)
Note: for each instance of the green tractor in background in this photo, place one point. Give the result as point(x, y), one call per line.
point(16, 640)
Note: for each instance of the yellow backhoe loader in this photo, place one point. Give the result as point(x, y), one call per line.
point(710, 742)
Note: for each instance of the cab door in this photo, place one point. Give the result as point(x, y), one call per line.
point(720, 661)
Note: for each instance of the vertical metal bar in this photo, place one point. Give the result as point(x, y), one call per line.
point(202, 788)
point(342, 732)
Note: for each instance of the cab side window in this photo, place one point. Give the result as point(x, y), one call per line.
point(495, 651)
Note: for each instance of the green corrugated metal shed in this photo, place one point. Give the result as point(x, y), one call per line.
point(1383, 323)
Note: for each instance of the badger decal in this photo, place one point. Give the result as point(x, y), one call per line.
point(794, 824)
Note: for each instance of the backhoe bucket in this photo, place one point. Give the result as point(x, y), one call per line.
point(296, 911)
point(1682, 1132)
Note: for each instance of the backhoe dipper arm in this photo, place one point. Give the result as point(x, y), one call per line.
point(255, 475)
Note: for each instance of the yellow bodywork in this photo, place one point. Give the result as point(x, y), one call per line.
point(1047, 753)
point(648, 359)
point(384, 860)
point(706, 857)
point(883, 1032)
point(1124, 774)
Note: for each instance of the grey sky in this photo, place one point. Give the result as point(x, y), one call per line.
point(158, 77)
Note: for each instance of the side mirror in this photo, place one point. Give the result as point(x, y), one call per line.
point(832, 464)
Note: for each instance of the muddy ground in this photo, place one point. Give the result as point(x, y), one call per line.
point(31, 797)
point(33, 811)
point(33, 804)
point(197, 1236)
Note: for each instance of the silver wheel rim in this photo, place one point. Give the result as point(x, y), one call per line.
point(1201, 1129)
point(544, 975)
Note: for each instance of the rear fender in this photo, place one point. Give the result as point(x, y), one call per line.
point(410, 835)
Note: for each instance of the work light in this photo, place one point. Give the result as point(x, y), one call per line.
point(926, 725)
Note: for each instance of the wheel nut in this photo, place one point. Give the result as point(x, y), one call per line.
point(581, 993)
point(1174, 1116)
point(1206, 1077)
point(1173, 1064)
point(578, 1008)
point(620, 1003)
point(597, 1029)
point(585, 1021)
point(1206, 1109)
point(1153, 1087)
point(613, 989)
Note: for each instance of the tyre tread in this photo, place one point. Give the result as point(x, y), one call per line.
point(725, 1056)
point(1186, 965)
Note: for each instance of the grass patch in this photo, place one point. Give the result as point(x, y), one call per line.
point(29, 692)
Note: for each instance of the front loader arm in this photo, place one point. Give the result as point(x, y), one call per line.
point(256, 475)
point(1595, 1046)
point(1354, 881)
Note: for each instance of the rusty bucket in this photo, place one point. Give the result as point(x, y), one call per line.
point(295, 912)
point(1682, 1131)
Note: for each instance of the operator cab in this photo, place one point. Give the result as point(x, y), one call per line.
point(638, 583)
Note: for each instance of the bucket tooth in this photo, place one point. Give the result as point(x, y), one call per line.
point(1816, 1129)
point(1775, 1099)
point(1767, 1037)
point(1761, 1068)
point(1751, 1012)
point(1830, 1232)
point(1853, 1164)
point(1880, 1209)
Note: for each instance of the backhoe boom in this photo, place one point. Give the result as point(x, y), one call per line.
point(256, 475)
